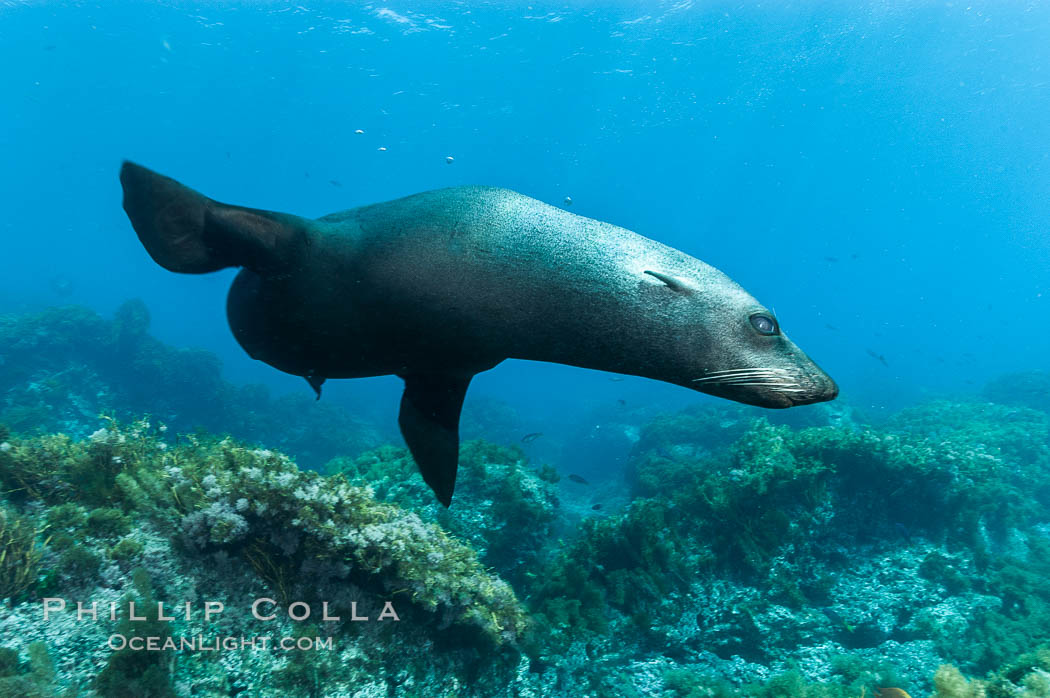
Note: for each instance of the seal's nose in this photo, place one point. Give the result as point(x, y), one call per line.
point(832, 390)
point(821, 389)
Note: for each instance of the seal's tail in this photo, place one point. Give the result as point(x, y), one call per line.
point(187, 232)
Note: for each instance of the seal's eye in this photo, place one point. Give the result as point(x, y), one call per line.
point(765, 324)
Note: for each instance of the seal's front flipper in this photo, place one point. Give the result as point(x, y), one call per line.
point(429, 422)
point(187, 232)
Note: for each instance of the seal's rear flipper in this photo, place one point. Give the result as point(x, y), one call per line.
point(187, 232)
point(315, 382)
point(429, 422)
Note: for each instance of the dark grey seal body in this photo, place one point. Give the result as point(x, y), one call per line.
point(439, 286)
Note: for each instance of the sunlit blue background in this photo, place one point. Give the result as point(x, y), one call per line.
point(877, 172)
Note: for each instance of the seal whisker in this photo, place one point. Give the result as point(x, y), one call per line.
point(771, 386)
point(740, 373)
point(750, 377)
point(744, 370)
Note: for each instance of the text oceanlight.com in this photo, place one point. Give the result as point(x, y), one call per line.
point(200, 643)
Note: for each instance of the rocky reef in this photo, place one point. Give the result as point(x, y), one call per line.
point(821, 557)
point(123, 516)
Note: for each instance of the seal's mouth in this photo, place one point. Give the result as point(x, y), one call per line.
point(769, 387)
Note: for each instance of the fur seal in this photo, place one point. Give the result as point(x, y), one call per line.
point(439, 286)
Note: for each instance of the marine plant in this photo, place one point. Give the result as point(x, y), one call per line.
point(20, 554)
point(625, 565)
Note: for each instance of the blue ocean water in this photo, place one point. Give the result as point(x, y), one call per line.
point(877, 172)
point(876, 168)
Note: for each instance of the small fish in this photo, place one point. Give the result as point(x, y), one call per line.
point(597, 507)
point(880, 357)
point(577, 479)
point(568, 201)
point(621, 402)
point(449, 160)
point(831, 259)
point(615, 379)
point(335, 182)
point(381, 148)
point(891, 693)
point(836, 618)
point(831, 327)
point(359, 132)
point(529, 438)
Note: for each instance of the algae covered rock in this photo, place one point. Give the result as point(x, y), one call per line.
point(259, 504)
point(153, 522)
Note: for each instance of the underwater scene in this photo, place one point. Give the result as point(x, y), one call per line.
point(665, 349)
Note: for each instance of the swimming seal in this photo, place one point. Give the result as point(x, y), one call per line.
point(439, 286)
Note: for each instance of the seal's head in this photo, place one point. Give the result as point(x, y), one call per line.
point(764, 367)
point(734, 348)
point(759, 365)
